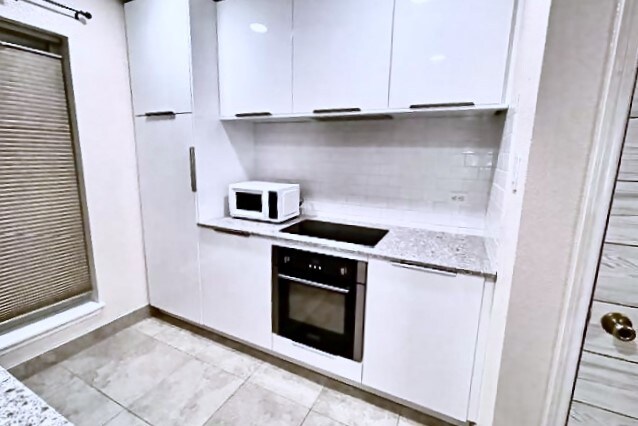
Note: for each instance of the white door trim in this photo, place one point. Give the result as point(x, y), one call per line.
point(602, 170)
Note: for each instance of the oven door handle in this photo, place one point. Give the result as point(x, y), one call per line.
point(315, 284)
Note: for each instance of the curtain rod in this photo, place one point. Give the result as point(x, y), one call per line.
point(76, 13)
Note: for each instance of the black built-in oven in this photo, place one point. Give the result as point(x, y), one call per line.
point(318, 301)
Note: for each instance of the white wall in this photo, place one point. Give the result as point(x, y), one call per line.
point(552, 134)
point(433, 172)
point(505, 204)
point(99, 68)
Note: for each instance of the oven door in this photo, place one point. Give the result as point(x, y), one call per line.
point(315, 314)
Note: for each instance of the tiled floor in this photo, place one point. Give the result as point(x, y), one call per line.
point(155, 373)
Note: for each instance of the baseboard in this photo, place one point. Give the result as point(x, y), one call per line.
point(66, 350)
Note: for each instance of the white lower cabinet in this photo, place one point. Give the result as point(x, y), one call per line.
point(236, 285)
point(169, 213)
point(420, 335)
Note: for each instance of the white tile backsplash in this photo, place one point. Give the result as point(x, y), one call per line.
point(418, 172)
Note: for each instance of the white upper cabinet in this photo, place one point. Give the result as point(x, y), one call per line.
point(158, 35)
point(341, 54)
point(449, 51)
point(255, 56)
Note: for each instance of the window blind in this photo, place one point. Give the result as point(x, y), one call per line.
point(43, 248)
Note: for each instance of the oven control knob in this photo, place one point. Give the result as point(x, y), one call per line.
point(343, 271)
point(286, 259)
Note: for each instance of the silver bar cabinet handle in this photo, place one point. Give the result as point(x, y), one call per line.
point(315, 284)
point(423, 269)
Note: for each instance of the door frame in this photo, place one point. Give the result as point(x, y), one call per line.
point(601, 177)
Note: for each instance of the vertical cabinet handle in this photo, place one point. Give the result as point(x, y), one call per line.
point(191, 152)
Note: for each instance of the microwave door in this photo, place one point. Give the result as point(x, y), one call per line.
point(248, 201)
point(248, 204)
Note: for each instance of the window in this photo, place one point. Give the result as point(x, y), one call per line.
point(44, 254)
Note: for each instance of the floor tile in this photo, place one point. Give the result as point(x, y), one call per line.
point(209, 351)
point(352, 411)
point(70, 396)
point(287, 384)
point(48, 378)
point(152, 326)
point(189, 396)
point(315, 419)
point(183, 340)
point(237, 363)
point(125, 418)
point(254, 405)
point(113, 347)
point(130, 374)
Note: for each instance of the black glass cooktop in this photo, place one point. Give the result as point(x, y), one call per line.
point(337, 232)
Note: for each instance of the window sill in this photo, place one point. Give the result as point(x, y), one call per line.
point(24, 335)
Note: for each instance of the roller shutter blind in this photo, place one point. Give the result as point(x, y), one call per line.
point(43, 247)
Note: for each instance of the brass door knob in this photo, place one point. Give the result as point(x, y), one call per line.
point(619, 326)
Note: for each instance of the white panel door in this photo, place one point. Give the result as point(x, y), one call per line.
point(255, 56)
point(158, 36)
point(420, 336)
point(169, 214)
point(236, 286)
point(449, 51)
point(341, 54)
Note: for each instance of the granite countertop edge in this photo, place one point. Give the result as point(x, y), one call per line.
point(464, 254)
point(20, 406)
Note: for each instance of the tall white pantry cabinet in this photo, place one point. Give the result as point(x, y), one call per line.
point(160, 34)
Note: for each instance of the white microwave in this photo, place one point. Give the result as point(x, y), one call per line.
point(267, 201)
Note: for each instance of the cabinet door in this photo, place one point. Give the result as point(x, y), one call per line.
point(158, 36)
point(169, 214)
point(255, 56)
point(341, 54)
point(420, 336)
point(236, 286)
point(449, 51)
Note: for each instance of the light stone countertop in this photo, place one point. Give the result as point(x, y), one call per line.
point(438, 250)
point(19, 406)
